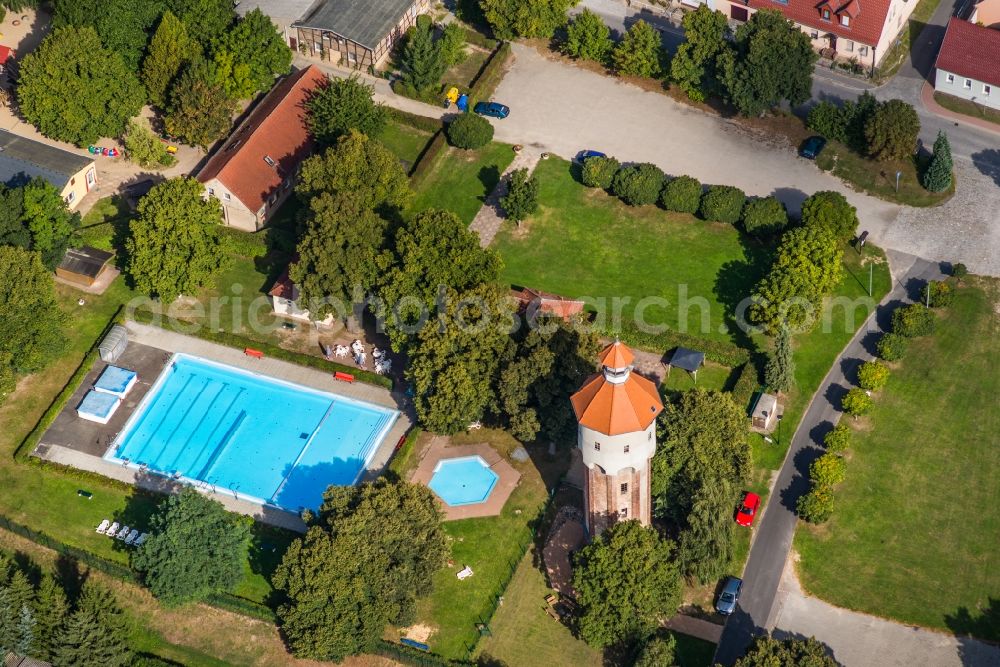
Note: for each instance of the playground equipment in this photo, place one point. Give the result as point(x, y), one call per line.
point(106, 152)
point(451, 97)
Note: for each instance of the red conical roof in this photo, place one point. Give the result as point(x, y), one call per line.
point(616, 355)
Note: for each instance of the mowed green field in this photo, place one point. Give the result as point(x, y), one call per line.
point(916, 526)
point(586, 243)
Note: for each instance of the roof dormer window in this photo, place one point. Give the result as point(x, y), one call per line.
point(269, 160)
point(826, 14)
point(845, 20)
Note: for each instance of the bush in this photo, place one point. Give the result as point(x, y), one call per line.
point(872, 375)
point(423, 164)
point(892, 347)
point(828, 119)
point(941, 294)
point(469, 131)
point(913, 321)
point(816, 506)
point(682, 194)
point(722, 203)
point(599, 172)
point(144, 148)
point(892, 131)
point(838, 439)
point(638, 184)
point(856, 402)
point(489, 76)
point(521, 199)
point(746, 384)
point(832, 211)
point(766, 216)
point(244, 244)
point(587, 37)
point(828, 470)
point(959, 270)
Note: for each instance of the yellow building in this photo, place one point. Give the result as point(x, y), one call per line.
point(73, 174)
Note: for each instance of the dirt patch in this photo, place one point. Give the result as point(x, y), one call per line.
point(420, 632)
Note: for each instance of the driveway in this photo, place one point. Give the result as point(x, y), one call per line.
point(860, 640)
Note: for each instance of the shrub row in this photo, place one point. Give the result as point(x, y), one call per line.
point(239, 342)
point(746, 384)
point(426, 159)
point(486, 81)
point(476, 38)
point(720, 352)
point(244, 244)
point(416, 121)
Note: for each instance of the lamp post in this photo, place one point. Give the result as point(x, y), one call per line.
point(781, 415)
point(898, 174)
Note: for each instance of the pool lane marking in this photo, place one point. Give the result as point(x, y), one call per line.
point(163, 418)
point(302, 452)
point(213, 459)
point(218, 424)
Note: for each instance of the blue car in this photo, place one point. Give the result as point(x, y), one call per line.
point(583, 156)
point(812, 147)
point(730, 595)
point(491, 109)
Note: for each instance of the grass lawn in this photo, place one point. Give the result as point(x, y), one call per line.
point(711, 377)
point(405, 141)
point(586, 243)
point(491, 546)
point(879, 178)
point(460, 180)
point(914, 533)
point(958, 105)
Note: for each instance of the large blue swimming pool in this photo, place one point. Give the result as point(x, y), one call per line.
point(262, 439)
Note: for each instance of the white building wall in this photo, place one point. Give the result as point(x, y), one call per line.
point(967, 89)
point(611, 456)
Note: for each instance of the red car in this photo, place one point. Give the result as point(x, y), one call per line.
point(748, 509)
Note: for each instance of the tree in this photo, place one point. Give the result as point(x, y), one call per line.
point(423, 61)
point(706, 544)
point(521, 199)
point(764, 216)
point(588, 38)
point(815, 506)
point(451, 44)
point(838, 439)
point(195, 548)
point(200, 112)
point(937, 293)
point(17, 630)
point(832, 211)
point(959, 271)
point(937, 177)
point(626, 581)
point(779, 374)
point(359, 165)
point(702, 440)
point(768, 652)
point(206, 20)
point(341, 105)
point(682, 194)
point(638, 184)
point(174, 246)
point(872, 376)
point(913, 321)
point(525, 18)
point(599, 172)
point(455, 362)
point(856, 402)
point(722, 203)
point(125, 27)
point(144, 148)
point(73, 89)
point(372, 550)
point(469, 131)
point(942, 149)
point(34, 216)
point(640, 52)
point(339, 253)
point(828, 470)
point(829, 120)
point(96, 633)
point(169, 50)
point(31, 324)
point(658, 652)
point(250, 55)
point(51, 609)
point(694, 66)
point(771, 60)
point(892, 346)
point(892, 131)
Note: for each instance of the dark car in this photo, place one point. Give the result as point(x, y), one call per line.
point(730, 595)
point(748, 509)
point(583, 156)
point(491, 109)
point(812, 147)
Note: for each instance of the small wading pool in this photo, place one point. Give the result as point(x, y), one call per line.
point(466, 480)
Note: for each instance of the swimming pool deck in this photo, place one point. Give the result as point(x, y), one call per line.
point(439, 449)
point(81, 444)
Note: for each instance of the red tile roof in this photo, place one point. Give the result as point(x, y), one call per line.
point(283, 287)
point(614, 409)
point(616, 355)
point(866, 18)
point(971, 51)
point(546, 303)
point(277, 129)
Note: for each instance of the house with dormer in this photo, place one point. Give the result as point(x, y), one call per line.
point(843, 30)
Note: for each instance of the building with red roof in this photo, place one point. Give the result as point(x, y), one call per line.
point(968, 64)
point(858, 31)
point(253, 172)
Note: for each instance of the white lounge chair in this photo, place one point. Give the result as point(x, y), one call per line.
point(131, 536)
point(123, 533)
point(139, 540)
point(103, 527)
point(465, 573)
point(110, 532)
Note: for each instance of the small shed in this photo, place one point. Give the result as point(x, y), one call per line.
point(98, 406)
point(764, 413)
point(84, 266)
point(687, 359)
point(114, 344)
point(116, 381)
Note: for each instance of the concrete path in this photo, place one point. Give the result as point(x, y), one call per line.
point(773, 538)
point(861, 640)
point(487, 222)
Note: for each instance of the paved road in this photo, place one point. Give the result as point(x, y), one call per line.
point(620, 17)
point(773, 538)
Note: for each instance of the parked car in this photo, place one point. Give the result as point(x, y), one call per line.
point(491, 109)
point(811, 147)
point(730, 595)
point(748, 509)
point(583, 156)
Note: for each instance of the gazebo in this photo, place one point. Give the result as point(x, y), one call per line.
point(687, 359)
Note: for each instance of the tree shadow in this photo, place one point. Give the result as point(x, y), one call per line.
point(973, 629)
point(783, 635)
point(734, 285)
point(792, 198)
point(489, 176)
point(817, 434)
point(70, 576)
point(799, 486)
point(141, 505)
point(988, 164)
point(849, 366)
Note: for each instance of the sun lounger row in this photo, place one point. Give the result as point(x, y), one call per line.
point(130, 536)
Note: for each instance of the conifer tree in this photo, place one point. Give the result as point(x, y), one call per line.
point(169, 49)
point(423, 64)
point(938, 176)
point(780, 370)
point(96, 633)
point(16, 597)
point(50, 612)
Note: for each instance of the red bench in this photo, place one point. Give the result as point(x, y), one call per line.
point(345, 377)
point(250, 352)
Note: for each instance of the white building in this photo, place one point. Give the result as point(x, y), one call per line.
point(968, 64)
point(284, 301)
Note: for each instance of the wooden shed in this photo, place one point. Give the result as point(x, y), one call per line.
point(84, 266)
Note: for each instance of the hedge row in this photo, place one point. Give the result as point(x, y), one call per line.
point(486, 81)
point(747, 382)
point(244, 244)
point(720, 352)
point(401, 458)
point(239, 342)
point(428, 156)
point(416, 121)
point(411, 656)
point(479, 39)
